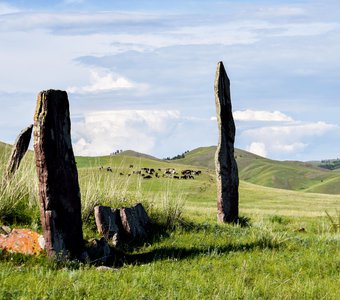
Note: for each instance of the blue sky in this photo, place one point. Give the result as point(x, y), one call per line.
point(140, 74)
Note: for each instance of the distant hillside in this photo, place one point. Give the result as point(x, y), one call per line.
point(125, 157)
point(205, 157)
point(136, 154)
point(290, 175)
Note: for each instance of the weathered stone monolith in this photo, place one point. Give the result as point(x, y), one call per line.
point(226, 166)
point(60, 206)
point(19, 149)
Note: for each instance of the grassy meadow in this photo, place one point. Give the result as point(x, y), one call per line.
point(285, 247)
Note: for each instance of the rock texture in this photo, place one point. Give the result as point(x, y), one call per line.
point(109, 223)
point(122, 225)
point(23, 241)
point(226, 166)
point(59, 193)
point(99, 251)
point(19, 149)
point(134, 221)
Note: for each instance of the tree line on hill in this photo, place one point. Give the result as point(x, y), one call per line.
point(330, 164)
point(179, 156)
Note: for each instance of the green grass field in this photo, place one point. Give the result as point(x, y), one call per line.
point(286, 248)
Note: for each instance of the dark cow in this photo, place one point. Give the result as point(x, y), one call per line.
point(190, 173)
point(187, 176)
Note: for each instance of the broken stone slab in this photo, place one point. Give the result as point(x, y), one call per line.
point(225, 163)
point(124, 224)
point(60, 207)
point(109, 223)
point(23, 241)
point(134, 221)
point(107, 220)
point(18, 151)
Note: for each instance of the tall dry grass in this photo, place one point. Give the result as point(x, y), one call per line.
point(19, 195)
point(19, 201)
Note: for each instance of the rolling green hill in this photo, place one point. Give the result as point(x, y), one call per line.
point(136, 154)
point(290, 175)
point(204, 157)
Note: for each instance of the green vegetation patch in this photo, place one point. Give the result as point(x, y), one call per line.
point(285, 247)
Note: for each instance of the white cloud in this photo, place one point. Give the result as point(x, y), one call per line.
point(161, 29)
point(102, 83)
point(289, 148)
point(7, 9)
point(292, 138)
point(295, 130)
point(260, 115)
point(102, 132)
point(40, 49)
point(307, 29)
point(280, 11)
point(257, 148)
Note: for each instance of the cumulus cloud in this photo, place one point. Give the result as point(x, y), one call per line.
point(260, 115)
point(102, 132)
point(289, 148)
point(294, 130)
point(103, 83)
point(287, 139)
point(257, 148)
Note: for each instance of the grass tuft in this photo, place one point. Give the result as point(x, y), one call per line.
point(334, 221)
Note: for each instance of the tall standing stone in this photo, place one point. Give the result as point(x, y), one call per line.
point(226, 166)
point(60, 206)
point(19, 150)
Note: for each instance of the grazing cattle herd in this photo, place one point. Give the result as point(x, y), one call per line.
point(149, 173)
